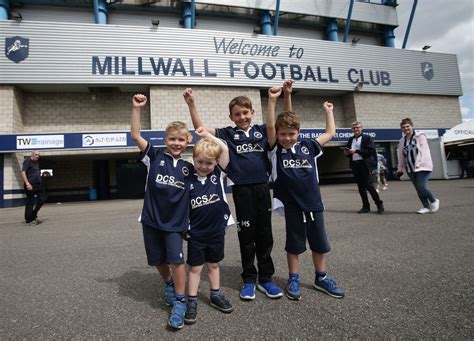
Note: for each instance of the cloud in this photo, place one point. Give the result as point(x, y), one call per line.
point(434, 18)
point(449, 28)
point(467, 102)
point(458, 42)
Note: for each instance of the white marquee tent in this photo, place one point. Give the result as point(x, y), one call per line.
point(461, 135)
point(458, 140)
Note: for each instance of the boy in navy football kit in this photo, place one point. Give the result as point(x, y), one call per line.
point(248, 170)
point(208, 219)
point(165, 207)
point(296, 192)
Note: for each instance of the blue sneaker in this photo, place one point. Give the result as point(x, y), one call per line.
point(176, 319)
point(293, 288)
point(169, 295)
point(329, 286)
point(270, 289)
point(248, 291)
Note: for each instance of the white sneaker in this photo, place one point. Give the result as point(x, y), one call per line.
point(423, 210)
point(434, 206)
point(384, 188)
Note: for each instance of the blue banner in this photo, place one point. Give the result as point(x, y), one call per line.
point(113, 140)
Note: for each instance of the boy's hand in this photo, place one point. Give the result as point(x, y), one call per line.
point(328, 106)
point(288, 86)
point(202, 132)
point(188, 96)
point(139, 100)
point(274, 93)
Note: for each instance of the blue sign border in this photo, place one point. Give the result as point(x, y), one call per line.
point(73, 141)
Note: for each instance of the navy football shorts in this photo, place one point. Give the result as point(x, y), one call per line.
point(162, 247)
point(209, 249)
point(302, 226)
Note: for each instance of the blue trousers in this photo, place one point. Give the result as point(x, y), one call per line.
point(420, 181)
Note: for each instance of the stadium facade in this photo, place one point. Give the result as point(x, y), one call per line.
point(70, 68)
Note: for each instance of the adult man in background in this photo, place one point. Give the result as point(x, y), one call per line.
point(34, 188)
point(360, 149)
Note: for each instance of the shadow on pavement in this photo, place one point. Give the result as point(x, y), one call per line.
point(230, 277)
point(141, 287)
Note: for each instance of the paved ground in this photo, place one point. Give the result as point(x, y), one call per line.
point(82, 274)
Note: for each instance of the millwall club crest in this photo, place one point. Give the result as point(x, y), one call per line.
point(427, 70)
point(16, 48)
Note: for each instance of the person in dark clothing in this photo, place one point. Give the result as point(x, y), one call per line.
point(34, 188)
point(360, 149)
point(464, 163)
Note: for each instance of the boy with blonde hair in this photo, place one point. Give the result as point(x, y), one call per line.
point(165, 207)
point(208, 219)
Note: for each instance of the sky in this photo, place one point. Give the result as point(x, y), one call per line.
point(448, 27)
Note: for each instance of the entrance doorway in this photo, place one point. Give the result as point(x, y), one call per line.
point(131, 177)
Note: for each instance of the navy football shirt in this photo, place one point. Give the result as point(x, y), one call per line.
point(210, 212)
point(32, 170)
point(166, 203)
point(248, 154)
point(295, 175)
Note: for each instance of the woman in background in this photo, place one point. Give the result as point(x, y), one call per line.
point(414, 157)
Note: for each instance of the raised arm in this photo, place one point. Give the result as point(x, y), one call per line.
point(138, 101)
point(273, 94)
point(224, 156)
point(330, 125)
point(188, 96)
point(287, 90)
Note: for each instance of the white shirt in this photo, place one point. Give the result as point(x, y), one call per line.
point(356, 145)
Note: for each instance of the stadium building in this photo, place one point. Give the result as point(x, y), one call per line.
point(70, 67)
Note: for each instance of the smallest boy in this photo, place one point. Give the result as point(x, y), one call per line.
point(165, 207)
point(297, 193)
point(209, 216)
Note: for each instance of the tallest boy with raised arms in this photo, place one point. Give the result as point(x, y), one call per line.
point(249, 171)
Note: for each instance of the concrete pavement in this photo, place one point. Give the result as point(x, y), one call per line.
point(82, 274)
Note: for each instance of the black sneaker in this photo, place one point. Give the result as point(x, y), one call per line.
point(191, 312)
point(364, 210)
point(380, 208)
point(221, 303)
